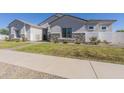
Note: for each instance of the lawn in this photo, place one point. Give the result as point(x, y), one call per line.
point(11, 44)
point(90, 52)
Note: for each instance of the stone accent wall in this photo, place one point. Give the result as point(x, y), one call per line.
point(69, 40)
point(11, 36)
point(54, 37)
point(79, 37)
point(76, 37)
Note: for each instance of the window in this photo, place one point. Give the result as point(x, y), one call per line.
point(67, 32)
point(104, 28)
point(91, 27)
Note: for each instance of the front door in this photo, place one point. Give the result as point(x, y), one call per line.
point(18, 33)
point(45, 34)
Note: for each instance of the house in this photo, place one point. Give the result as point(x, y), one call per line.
point(19, 29)
point(58, 27)
point(3, 37)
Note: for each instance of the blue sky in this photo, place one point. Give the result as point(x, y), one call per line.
point(6, 18)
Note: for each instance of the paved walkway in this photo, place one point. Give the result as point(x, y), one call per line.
point(64, 67)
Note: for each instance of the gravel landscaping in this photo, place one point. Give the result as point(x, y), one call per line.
point(8, 71)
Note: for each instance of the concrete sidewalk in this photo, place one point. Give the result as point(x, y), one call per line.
point(64, 67)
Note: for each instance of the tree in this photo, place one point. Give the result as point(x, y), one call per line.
point(4, 31)
point(120, 30)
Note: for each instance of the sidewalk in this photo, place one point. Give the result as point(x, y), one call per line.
point(64, 67)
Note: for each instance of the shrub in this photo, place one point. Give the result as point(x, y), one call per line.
point(55, 40)
point(97, 42)
point(24, 39)
point(7, 39)
point(4, 31)
point(120, 30)
point(105, 42)
point(16, 40)
point(94, 40)
point(65, 42)
point(77, 41)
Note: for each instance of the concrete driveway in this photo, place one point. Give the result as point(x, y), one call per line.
point(64, 67)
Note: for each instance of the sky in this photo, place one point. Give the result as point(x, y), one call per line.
point(35, 18)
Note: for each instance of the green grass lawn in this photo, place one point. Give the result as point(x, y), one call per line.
point(90, 52)
point(11, 44)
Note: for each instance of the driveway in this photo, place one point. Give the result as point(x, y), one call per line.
point(63, 67)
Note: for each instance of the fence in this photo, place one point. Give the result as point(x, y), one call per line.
point(113, 37)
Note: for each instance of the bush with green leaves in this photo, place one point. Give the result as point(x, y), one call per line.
point(120, 30)
point(104, 41)
point(98, 41)
point(24, 39)
point(16, 40)
point(94, 40)
point(4, 31)
point(55, 40)
point(7, 39)
point(65, 41)
point(77, 41)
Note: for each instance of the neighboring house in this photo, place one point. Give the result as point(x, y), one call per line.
point(60, 27)
point(3, 37)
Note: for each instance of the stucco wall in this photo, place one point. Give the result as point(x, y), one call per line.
point(35, 34)
point(118, 37)
point(67, 22)
point(108, 36)
point(78, 26)
point(100, 36)
point(113, 37)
